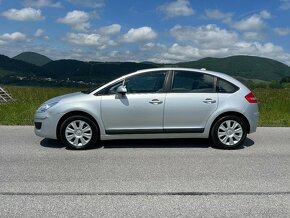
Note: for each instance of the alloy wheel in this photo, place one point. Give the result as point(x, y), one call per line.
point(78, 133)
point(230, 132)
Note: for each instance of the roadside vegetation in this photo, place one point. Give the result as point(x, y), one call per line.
point(27, 100)
point(274, 104)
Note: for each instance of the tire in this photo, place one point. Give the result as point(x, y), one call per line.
point(79, 132)
point(229, 132)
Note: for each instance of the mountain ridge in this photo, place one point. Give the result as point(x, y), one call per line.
point(240, 66)
point(33, 58)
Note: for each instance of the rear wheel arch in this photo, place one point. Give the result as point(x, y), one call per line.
point(232, 113)
point(74, 113)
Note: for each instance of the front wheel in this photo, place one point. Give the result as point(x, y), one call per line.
point(79, 132)
point(229, 132)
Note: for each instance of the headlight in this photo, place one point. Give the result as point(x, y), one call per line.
point(45, 107)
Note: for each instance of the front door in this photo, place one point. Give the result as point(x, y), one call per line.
point(140, 110)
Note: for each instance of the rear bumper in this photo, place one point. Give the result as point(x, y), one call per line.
point(252, 114)
point(254, 122)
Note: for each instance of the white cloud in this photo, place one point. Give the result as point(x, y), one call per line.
point(93, 39)
point(282, 31)
point(253, 23)
point(39, 33)
point(12, 38)
point(151, 46)
point(265, 14)
point(141, 34)
point(209, 36)
point(285, 5)
point(178, 53)
point(111, 29)
point(78, 20)
point(25, 14)
point(219, 15)
point(89, 3)
point(194, 43)
point(253, 35)
point(42, 3)
point(177, 8)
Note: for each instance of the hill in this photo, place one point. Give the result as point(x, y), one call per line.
point(33, 58)
point(18, 67)
point(91, 71)
point(245, 68)
point(250, 67)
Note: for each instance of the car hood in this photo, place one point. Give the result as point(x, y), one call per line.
point(64, 97)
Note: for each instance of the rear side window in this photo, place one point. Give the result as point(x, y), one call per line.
point(187, 81)
point(224, 86)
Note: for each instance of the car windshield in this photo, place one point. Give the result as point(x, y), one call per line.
point(88, 91)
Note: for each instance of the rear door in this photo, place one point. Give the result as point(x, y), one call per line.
point(190, 102)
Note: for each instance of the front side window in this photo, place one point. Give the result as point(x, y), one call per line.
point(146, 83)
point(187, 81)
point(151, 82)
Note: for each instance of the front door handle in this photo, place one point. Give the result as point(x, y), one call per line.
point(155, 101)
point(209, 101)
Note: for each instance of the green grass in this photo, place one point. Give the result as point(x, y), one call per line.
point(274, 104)
point(27, 100)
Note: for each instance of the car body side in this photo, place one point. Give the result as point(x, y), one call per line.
point(90, 105)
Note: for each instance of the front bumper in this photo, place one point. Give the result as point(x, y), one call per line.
point(45, 124)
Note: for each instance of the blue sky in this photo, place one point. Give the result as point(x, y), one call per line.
point(152, 30)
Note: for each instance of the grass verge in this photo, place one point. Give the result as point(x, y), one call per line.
point(274, 104)
point(27, 100)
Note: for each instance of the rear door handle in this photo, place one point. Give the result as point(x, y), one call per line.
point(209, 101)
point(155, 101)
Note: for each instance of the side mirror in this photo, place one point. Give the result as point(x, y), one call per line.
point(122, 90)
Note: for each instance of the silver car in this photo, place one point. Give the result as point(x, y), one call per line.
point(151, 104)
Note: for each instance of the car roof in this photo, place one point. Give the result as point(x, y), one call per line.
point(202, 70)
point(214, 73)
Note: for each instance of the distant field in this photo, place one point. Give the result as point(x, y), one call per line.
point(4, 72)
point(274, 104)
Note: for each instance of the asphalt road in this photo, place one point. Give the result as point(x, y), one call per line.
point(149, 178)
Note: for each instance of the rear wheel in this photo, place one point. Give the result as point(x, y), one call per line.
point(79, 132)
point(229, 132)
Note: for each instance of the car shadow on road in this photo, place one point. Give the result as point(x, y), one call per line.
point(51, 143)
point(149, 143)
point(166, 143)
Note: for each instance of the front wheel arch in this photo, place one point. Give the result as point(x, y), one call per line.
point(74, 113)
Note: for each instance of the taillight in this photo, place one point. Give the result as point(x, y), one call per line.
point(251, 98)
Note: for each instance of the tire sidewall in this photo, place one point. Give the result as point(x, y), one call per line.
point(214, 132)
point(95, 132)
